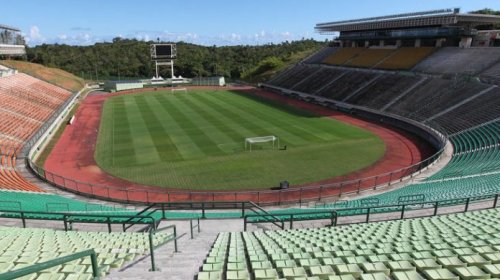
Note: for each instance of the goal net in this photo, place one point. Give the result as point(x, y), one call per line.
point(262, 139)
point(181, 90)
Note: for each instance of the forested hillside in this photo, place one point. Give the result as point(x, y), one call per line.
point(123, 58)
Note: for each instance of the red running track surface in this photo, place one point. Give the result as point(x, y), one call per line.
point(73, 158)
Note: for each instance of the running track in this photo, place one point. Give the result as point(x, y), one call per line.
point(73, 157)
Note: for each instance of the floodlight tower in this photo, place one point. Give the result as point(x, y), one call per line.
point(163, 54)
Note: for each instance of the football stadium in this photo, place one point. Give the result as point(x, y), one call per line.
point(373, 156)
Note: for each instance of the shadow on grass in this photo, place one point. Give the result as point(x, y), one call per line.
point(277, 104)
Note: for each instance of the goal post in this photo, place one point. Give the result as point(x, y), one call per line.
point(182, 90)
point(262, 139)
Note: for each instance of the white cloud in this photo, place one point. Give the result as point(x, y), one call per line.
point(34, 37)
point(87, 38)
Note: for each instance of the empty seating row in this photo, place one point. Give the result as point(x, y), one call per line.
point(475, 112)
point(433, 96)
point(451, 60)
point(457, 246)
point(46, 202)
point(405, 58)
point(492, 74)
point(343, 55)
point(369, 58)
point(24, 247)
point(476, 151)
point(27, 103)
point(383, 90)
point(319, 56)
point(381, 58)
point(343, 87)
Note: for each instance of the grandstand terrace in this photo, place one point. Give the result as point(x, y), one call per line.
point(459, 246)
point(27, 103)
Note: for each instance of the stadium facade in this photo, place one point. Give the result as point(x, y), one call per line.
point(11, 41)
point(437, 28)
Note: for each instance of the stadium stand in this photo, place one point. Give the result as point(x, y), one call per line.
point(370, 57)
point(405, 58)
point(461, 245)
point(10, 178)
point(319, 56)
point(476, 151)
point(477, 111)
point(347, 84)
point(39, 202)
point(315, 82)
point(292, 76)
point(24, 247)
point(433, 96)
point(492, 74)
point(27, 103)
point(459, 60)
point(343, 55)
point(377, 94)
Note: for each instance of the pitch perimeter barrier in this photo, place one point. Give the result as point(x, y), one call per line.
point(266, 197)
point(260, 197)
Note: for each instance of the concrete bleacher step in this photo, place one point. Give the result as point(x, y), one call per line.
point(186, 263)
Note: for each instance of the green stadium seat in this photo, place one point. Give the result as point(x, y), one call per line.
point(237, 275)
point(422, 264)
point(375, 268)
point(492, 269)
point(352, 269)
point(440, 274)
point(293, 273)
point(407, 275)
point(374, 276)
point(401, 266)
point(321, 271)
point(451, 262)
point(471, 272)
point(210, 275)
point(265, 274)
point(341, 277)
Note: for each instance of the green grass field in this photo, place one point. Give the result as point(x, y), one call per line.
point(196, 141)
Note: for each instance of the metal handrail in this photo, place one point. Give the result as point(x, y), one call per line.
point(292, 216)
point(355, 211)
point(55, 262)
point(73, 217)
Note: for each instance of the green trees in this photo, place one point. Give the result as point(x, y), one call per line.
point(129, 58)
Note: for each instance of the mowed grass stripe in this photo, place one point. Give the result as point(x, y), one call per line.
point(283, 119)
point(227, 116)
point(248, 127)
point(236, 132)
point(157, 136)
point(317, 126)
point(144, 147)
point(105, 141)
point(178, 135)
point(252, 117)
point(122, 144)
point(203, 138)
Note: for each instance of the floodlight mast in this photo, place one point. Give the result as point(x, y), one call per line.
point(163, 54)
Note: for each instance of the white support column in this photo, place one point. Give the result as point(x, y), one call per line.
point(172, 68)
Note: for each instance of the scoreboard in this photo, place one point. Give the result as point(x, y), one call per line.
point(163, 51)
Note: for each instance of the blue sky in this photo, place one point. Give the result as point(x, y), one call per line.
point(219, 22)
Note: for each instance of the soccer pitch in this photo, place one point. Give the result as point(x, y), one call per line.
point(196, 140)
